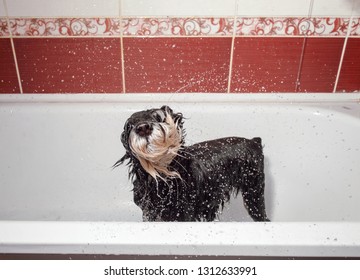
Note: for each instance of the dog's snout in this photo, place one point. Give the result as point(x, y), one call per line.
point(143, 129)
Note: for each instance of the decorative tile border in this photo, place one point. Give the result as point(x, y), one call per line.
point(4, 31)
point(178, 26)
point(355, 27)
point(292, 26)
point(65, 27)
point(170, 27)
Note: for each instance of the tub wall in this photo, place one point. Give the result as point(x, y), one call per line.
point(63, 146)
point(232, 46)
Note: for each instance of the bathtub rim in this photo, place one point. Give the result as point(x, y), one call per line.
point(279, 239)
point(182, 98)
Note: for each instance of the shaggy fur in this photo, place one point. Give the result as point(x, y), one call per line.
point(174, 182)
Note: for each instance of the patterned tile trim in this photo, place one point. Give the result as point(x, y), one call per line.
point(4, 27)
point(167, 27)
point(244, 27)
point(292, 26)
point(355, 27)
point(178, 26)
point(65, 27)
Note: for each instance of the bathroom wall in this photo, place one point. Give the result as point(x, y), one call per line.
point(139, 46)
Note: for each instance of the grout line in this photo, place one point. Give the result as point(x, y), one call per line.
point(231, 58)
point(122, 47)
point(301, 62)
point(173, 36)
point(131, 17)
point(232, 47)
point(302, 55)
point(122, 64)
point(311, 8)
point(13, 48)
point(342, 55)
point(177, 16)
point(16, 65)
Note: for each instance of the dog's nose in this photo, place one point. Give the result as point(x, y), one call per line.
point(143, 129)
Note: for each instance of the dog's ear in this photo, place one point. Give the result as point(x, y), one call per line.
point(127, 154)
point(167, 109)
point(121, 161)
point(178, 117)
point(124, 138)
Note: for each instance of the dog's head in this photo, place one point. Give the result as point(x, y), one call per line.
point(153, 137)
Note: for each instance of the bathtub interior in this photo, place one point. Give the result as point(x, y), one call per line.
point(56, 157)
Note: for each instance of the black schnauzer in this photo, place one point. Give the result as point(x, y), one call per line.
point(173, 182)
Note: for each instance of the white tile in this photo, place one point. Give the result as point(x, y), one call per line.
point(63, 8)
point(275, 8)
point(341, 8)
point(178, 8)
point(2, 9)
point(356, 8)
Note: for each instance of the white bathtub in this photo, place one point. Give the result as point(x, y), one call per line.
point(59, 195)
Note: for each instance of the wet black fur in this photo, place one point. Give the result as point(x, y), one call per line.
point(211, 172)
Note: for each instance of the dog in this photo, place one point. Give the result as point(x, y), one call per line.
point(174, 182)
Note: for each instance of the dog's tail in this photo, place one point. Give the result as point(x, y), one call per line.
point(121, 161)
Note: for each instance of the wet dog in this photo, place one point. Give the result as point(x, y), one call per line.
point(174, 182)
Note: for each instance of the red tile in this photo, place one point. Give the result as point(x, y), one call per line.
point(349, 80)
point(176, 64)
point(320, 64)
point(265, 64)
point(8, 78)
point(69, 65)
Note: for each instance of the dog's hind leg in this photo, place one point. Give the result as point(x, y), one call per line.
point(254, 202)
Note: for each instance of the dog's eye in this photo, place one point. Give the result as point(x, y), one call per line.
point(128, 126)
point(159, 116)
point(178, 118)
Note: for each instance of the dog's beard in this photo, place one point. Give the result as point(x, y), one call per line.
point(156, 151)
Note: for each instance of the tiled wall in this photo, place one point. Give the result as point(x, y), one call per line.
point(137, 46)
